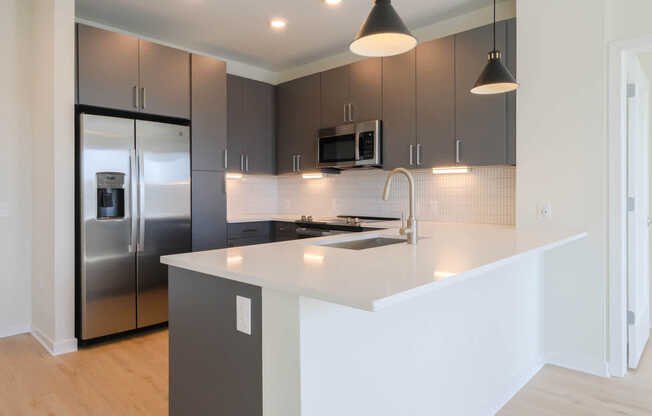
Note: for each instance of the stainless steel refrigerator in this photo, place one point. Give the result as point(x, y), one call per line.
point(134, 206)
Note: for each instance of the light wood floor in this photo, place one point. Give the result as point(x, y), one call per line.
point(130, 377)
point(125, 377)
point(557, 391)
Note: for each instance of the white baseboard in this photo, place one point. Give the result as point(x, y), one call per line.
point(10, 331)
point(519, 382)
point(595, 367)
point(55, 348)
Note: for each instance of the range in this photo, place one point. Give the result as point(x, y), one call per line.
point(309, 227)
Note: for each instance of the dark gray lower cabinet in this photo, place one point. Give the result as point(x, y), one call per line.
point(214, 369)
point(249, 233)
point(208, 211)
point(284, 231)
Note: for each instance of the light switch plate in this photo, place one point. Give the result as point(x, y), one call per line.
point(243, 314)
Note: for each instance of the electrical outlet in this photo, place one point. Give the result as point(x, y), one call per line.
point(243, 314)
point(544, 210)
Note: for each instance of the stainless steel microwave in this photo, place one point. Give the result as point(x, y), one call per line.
point(352, 145)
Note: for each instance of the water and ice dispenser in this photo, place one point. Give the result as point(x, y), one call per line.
point(110, 195)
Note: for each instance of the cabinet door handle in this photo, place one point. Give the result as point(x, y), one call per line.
point(246, 163)
point(411, 155)
point(143, 100)
point(419, 154)
point(298, 163)
point(346, 118)
point(136, 103)
point(458, 156)
point(350, 112)
point(294, 163)
point(226, 158)
point(241, 162)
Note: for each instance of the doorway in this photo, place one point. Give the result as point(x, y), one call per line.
point(630, 72)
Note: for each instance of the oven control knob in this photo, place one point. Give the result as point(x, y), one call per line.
point(309, 219)
point(356, 221)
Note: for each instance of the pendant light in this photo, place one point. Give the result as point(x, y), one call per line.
point(383, 33)
point(496, 78)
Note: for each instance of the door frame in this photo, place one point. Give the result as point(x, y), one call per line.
point(617, 199)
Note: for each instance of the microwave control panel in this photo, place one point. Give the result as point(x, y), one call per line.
point(366, 145)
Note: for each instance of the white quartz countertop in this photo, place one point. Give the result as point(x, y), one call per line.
point(372, 279)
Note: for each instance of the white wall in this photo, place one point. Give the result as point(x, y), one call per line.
point(562, 159)
point(53, 252)
point(15, 168)
point(37, 193)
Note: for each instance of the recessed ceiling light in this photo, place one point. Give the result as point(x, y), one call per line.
point(332, 2)
point(278, 24)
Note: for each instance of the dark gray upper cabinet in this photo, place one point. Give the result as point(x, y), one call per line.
point(286, 148)
point(510, 60)
point(126, 73)
point(107, 68)
point(334, 96)
point(298, 120)
point(481, 120)
point(435, 97)
point(209, 124)
point(251, 125)
point(365, 86)
point(352, 93)
point(260, 135)
point(399, 110)
point(209, 228)
point(164, 80)
point(307, 110)
point(236, 122)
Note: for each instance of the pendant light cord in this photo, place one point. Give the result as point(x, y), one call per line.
point(494, 25)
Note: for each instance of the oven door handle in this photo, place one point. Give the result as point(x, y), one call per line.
point(357, 146)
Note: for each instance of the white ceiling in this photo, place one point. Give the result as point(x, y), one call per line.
point(239, 29)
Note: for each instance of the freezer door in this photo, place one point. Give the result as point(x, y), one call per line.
point(107, 244)
point(164, 211)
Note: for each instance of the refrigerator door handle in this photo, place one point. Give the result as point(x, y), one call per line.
point(141, 202)
point(133, 206)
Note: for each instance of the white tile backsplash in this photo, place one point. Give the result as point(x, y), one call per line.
point(484, 195)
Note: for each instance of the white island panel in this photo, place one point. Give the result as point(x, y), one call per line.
point(463, 351)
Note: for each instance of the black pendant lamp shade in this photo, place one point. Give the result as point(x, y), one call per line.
point(495, 78)
point(383, 33)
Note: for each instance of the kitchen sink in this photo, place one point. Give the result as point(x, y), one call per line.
point(366, 243)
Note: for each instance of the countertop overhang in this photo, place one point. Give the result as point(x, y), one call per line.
point(447, 254)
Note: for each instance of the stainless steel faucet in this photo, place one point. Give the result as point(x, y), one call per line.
point(411, 229)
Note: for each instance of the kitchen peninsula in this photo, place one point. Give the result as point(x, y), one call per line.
point(303, 328)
